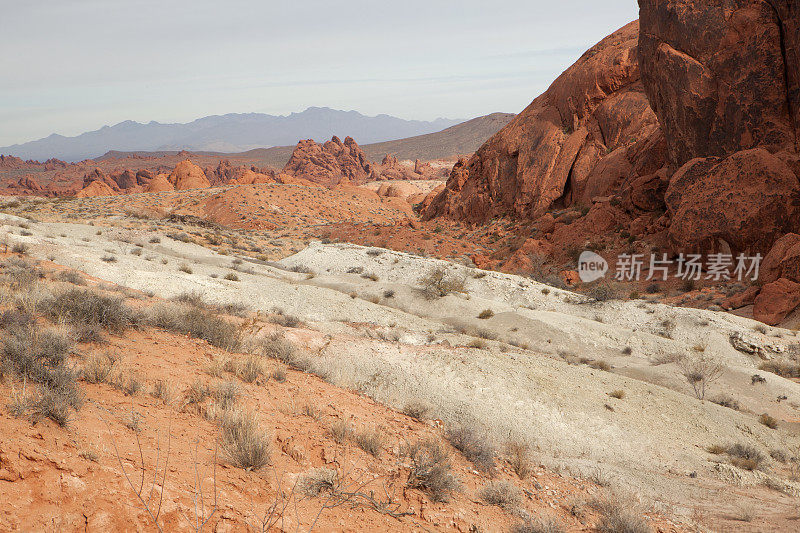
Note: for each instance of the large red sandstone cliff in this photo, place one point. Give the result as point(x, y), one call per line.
point(683, 127)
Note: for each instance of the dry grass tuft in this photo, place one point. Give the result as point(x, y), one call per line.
point(431, 470)
point(369, 440)
point(501, 493)
point(474, 445)
point(243, 442)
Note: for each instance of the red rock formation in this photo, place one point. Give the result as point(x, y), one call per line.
point(330, 163)
point(187, 175)
point(96, 188)
point(398, 190)
point(722, 75)
point(776, 300)
point(582, 138)
point(742, 203)
point(30, 185)
point(11, 163)
point(783, 260)
point(160, 183)
point(125, 179)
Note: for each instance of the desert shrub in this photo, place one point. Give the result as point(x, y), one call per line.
point(541, 525)
point(80, 307)
point(769, 421)
point(389, 293)
point(48, 402)
point(618, 394)
point(416, 409)
point(16, 318)
point(185, 268)
point(109, 259)
point(370, 276)
point(97, 368)
point(430, 470)
point(784, 369)
point(196, 395)
point(278, 375)
point(128, 382)
point(161, 391)
point(486, 313)
point(653, 288)
point(249, 369)
point(245, 445)
point(275, 346)
point(519, 458)
point(71, 276)
point(745, 456)
point(39, 356)
point(615, 519)
point(726, 401)
point(318, 481)
point(340, 431)
point(226, 394)
point(20, 274)
point(602, 292)
point(779, 455)
point(474, 445)
point(369, 440)
point(700, 371)
point(19, 248)
point(231, 276)
point(197, 323)
point(287, 321)
point(438, 282)
point(501, 493)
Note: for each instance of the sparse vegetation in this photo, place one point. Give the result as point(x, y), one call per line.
point(430, 470)
point(369, 440)
point(501, 493)
point(244, 443)
point(486, 313)
point(438, 282)
point(197, 323)
point(80, 307)
point(519, 458)
point(700, 371)
point(474, 445)
point(770, 421)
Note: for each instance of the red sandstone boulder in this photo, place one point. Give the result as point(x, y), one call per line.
point(187, 175)
point(747, 297)
point(398, 190)
point(160, 183)
point(743, 202)
point(783, 260)
point(143, 177)
point(125, 179)
point(776, 300)
point(96, 188)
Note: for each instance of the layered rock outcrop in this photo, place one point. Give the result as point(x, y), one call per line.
point(330, 163)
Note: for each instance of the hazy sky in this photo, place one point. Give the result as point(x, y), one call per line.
point(68, 66)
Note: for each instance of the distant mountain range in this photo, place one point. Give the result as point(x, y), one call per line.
point(461, 139)
point(226, 133)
